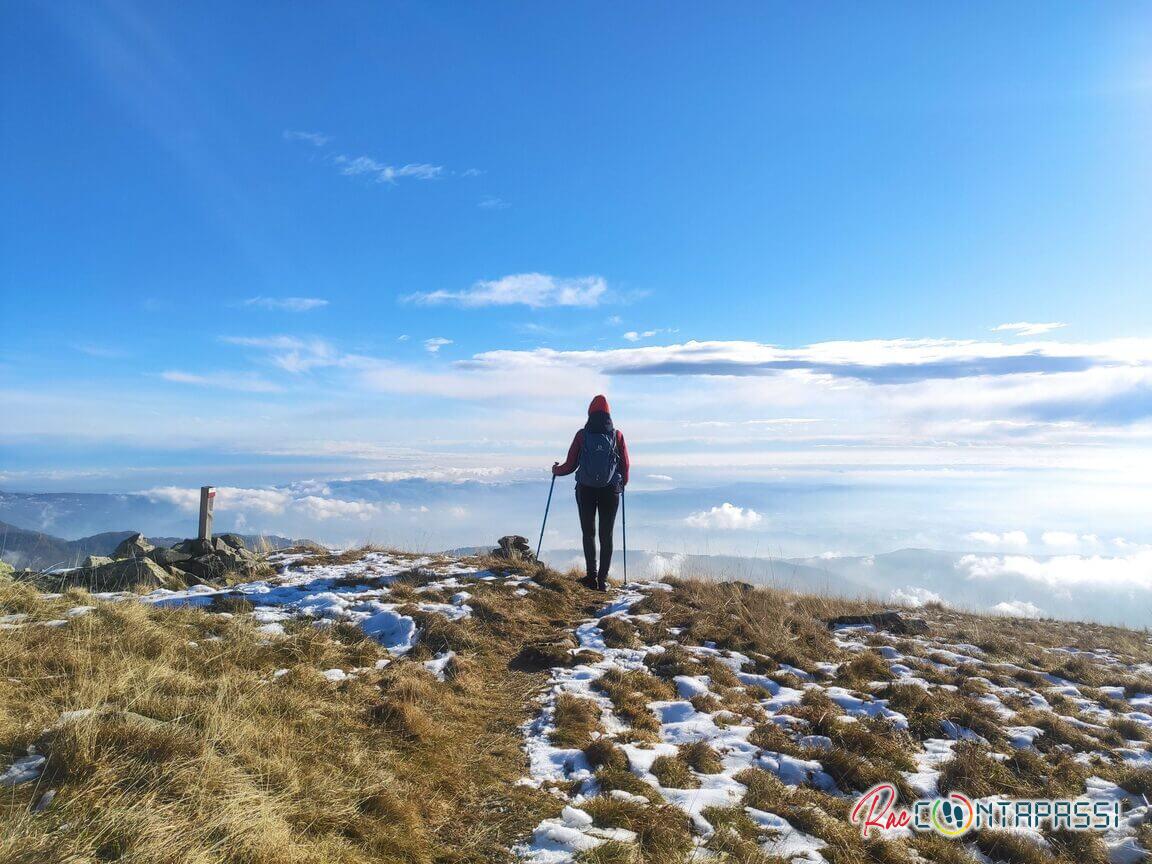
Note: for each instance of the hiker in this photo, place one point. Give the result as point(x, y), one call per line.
point(599, 457)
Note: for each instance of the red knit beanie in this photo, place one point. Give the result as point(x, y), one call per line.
point(600, 403)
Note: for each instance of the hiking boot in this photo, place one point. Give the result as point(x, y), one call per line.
point(601, 584)
point(589, 582)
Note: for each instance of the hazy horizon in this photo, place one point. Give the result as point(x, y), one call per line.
point(845, 546)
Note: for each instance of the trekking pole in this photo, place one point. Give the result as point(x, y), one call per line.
point(624, 531)
point(547, 506)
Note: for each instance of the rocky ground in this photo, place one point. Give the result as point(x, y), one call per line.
point(423, 708)
point(137, 563)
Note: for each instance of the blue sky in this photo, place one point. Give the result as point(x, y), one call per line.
point(891, 246)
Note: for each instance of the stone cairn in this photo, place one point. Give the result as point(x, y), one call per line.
point(137, 564)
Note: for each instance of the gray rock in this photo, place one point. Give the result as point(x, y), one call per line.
point(196, 548)
point(230, 551)
point(136, 546)
point(167, 557)
point(207, 568)
point(514, 548)
point(125, 574)
point(890, 620)
point(234, 541)
point(95, 561)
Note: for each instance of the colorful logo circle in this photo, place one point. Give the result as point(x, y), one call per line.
point(953, 816)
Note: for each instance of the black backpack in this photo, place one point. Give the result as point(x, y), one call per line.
point(599, 461)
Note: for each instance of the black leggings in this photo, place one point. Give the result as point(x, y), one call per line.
point(590, 501)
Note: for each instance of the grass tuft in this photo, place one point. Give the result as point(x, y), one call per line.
point(702, 758)
point(577, 721)
point(674, 772)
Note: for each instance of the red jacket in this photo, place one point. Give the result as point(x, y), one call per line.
point(574, 456)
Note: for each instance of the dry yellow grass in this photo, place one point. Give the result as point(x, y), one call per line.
point(775, 624)
point(195, 751)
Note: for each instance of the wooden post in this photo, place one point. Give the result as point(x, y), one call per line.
point(207, 495)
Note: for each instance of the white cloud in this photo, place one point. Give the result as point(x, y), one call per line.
point(640, 336)
point(1017, 609)
point(403, 337)
point(1071, 540)
point(914, 596)
point(244, 382)
point(493, 203)
point(1060, 539)
point(614, 320)
point(319, 508)
point(383, 173)
point(185, 499)
point(663, 565)
point(535, 290)
point(291, 353)
point(726, 517)
point(290, 304)
point(433, 345)
point(661, 478)
point(1029, 328)
point(316, 139)
point(991, 538)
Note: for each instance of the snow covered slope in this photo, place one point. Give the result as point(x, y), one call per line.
point(735, 738)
